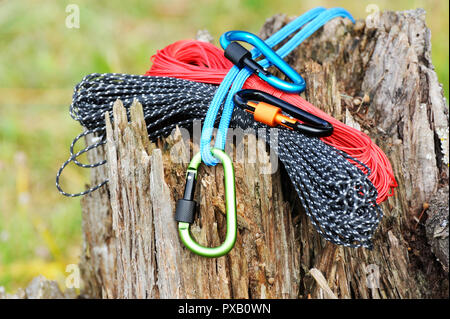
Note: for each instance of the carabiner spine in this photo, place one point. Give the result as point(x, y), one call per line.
point(230, 204)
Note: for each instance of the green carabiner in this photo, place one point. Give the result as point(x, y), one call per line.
point(185, 210)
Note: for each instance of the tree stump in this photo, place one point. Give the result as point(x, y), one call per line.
point(375, 75)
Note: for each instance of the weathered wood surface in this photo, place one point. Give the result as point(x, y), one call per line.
point(40, 288)
point(437, 226)
point(378, 77)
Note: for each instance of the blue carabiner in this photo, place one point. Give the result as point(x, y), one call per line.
point(242, 57)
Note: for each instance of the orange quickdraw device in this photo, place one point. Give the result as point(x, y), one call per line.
point(272, 111)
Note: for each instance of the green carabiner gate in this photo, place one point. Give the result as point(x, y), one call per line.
point(186, 207)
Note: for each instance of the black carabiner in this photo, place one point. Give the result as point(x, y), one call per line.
point(267, 109)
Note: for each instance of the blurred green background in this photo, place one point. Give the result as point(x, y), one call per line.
point(40, 62)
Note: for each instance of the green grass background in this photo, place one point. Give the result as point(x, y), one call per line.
point(40, 62)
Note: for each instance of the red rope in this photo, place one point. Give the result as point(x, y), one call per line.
point(203, 62)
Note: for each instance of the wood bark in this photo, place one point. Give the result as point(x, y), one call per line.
point(375, 75)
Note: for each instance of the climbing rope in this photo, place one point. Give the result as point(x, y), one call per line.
point(203, 62)
point(339, 199)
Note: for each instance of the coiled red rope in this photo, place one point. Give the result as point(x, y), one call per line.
point(203, 62)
